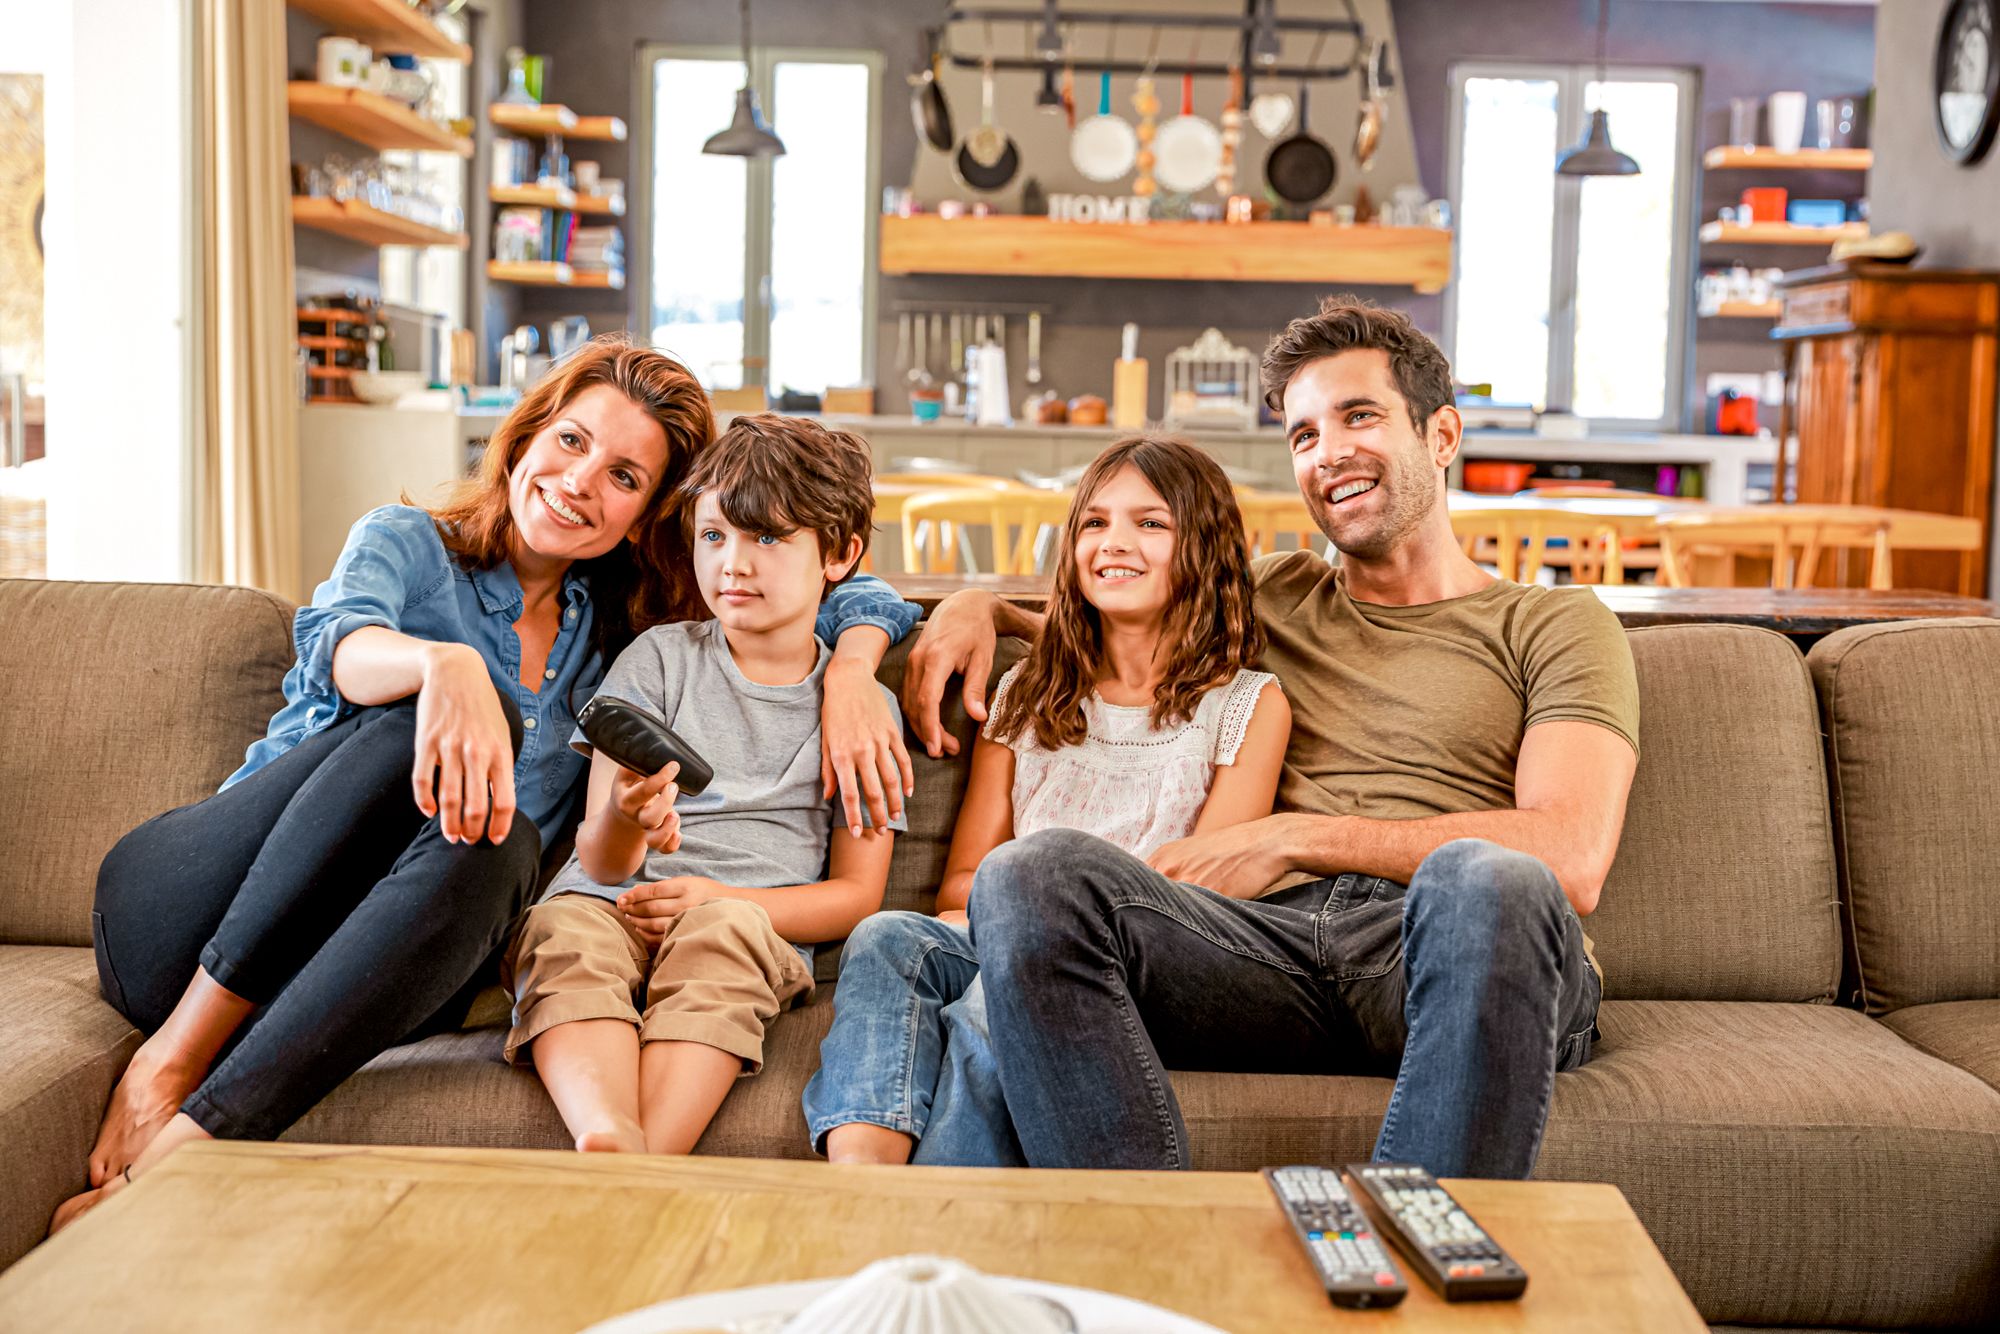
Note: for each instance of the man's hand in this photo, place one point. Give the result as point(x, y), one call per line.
point(651, 909)
point(958, 638)
point(649, 804)
point(862, 755)
point(1240, 860)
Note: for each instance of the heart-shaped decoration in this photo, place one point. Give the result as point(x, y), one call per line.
point(1272, 113)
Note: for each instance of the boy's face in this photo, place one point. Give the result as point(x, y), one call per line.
point(759, 584)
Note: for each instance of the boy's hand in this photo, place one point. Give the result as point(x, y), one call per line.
point(649, 804)
point(652, 908)
point(956, 916)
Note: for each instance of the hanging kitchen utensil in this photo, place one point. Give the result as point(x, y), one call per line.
point(1034, 347)
point(1146, 105)
point(1232, 134)
point(1069, 94)
point(927, 105)
point(1188, 151)
point(988, 158)
point(1103, 147)
point(903, 338)
point(1374, 107)
point(1272, 113)
point(1301, 168)
point(919, 373)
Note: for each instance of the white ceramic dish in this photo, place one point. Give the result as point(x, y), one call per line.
point(386, 386)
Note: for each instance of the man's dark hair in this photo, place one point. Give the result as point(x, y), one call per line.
point(774, 475)
point(1347, 322)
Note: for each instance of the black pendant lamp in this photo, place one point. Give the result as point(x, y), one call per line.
point(1595, 156)
point(747, 135)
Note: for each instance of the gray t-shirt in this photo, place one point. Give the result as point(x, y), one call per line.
point(762, 822)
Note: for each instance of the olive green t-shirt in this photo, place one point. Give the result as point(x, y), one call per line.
point(1404, 712)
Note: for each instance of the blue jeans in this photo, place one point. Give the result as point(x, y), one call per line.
point(909, 1049)
point(1471, 986)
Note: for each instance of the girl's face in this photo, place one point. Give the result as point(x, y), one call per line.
point(587, 477)
point(1125, 549)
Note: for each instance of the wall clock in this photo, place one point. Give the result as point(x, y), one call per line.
point(1965, 79)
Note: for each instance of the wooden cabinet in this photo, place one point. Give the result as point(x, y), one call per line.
point(1892, 371)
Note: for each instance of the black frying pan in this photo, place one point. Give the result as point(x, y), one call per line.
point(927, 105)
point(995, 170)
point(1301, 168)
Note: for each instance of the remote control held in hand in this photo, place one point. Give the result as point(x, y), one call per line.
point(641, 742)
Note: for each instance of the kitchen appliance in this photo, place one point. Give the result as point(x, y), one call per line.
point(1188, 151)
point(1301, 169)
point(1103, 148)
point(418, 341)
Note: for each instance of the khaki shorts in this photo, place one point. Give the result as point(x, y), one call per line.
point(721, 976)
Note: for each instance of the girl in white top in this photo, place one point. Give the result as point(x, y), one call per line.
point(1136, 717)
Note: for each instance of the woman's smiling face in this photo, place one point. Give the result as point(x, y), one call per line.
point(587, 477)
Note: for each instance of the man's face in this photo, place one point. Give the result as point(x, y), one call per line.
point(1367, 474)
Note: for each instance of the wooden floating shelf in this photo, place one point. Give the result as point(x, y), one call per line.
point(370, 118)
point(554, 118)
point(371, 226)
point(1819, 159)
point(1782, 233)
point(544, 273)
point(545, 196)
point(1744, 310)
point(1298, 252)
point(387, 26)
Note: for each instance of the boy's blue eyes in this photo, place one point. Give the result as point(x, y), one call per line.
point(763, 540)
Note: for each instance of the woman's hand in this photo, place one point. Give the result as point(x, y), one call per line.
point(958, 638)
point(464, 747)
point(862, 755)
point(649, 804)
point(652, 908)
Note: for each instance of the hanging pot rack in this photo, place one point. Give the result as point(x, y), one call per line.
point(1113, 19)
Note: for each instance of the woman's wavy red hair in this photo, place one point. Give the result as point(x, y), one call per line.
point(642, 582)
point(1210, 633)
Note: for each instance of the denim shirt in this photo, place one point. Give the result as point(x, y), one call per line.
point(395, 572)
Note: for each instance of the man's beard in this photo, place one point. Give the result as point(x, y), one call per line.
point(1406, 502)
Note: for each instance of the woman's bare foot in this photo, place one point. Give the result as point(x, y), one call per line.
point(611, 1141)
point(148, 1095)
point(863, 1142)
point(77, 1206)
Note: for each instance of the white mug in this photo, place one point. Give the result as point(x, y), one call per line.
point(1787, 114)
point(343, 62)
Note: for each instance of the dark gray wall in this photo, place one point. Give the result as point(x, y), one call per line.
point(1740, 49)
point(1951, 210)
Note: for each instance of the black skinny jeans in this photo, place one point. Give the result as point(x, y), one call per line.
point(316, 889)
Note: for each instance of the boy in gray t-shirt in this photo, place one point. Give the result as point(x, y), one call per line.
point(644, 980)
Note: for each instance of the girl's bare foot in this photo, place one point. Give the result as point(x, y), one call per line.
point(77, 1206)
point(147, 1096)
point(608, 1141)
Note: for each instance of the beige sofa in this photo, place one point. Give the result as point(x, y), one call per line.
point(1802, 831)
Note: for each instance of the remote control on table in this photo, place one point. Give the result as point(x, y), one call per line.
point(1452, 1252)
point(1340, 1241)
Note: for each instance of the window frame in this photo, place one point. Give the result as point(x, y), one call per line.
point(760, 192)
point(1572, 118)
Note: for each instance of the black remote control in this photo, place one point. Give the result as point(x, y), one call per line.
point(1340, 1242)
point(1452, 1252)
point(641, 742)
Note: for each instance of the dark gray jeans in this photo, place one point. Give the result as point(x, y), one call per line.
point(1471, 986)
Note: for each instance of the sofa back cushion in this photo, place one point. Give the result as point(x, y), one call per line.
point(933, 810)
point(1912, 714)
point(1723, 888)
point(122, 701)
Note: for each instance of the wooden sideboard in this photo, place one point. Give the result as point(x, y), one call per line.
point(1892, 372)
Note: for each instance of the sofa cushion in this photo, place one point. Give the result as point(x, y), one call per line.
point(1724, 887)
point(1965, 1033)
point(1912, 712)
point(124, 700)
point(61, 1050)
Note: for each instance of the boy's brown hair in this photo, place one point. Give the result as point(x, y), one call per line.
point(774, 475)
point(1347, 322)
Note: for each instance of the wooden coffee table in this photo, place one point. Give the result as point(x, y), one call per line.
point(301, 1237)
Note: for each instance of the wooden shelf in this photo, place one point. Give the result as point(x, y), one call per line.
point(554, 118)
point(1298, 252)
point(387, 26)
point(1745, 310)
point(1781, 233)
point(370, 118)
point(542, 273)
point(370, 226)
point(1806, 159)
point(542, 196)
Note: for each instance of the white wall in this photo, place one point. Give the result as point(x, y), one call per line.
point(118, 291)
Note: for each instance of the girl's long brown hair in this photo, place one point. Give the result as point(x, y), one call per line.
point(1210, 633)
point(639, 583)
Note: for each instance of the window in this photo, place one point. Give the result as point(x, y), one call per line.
point(1572, 292)
point(760, 272)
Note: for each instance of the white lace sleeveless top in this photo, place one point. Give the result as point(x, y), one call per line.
point(1130, 785)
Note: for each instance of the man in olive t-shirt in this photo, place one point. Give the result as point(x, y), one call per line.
point(1450, 803)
